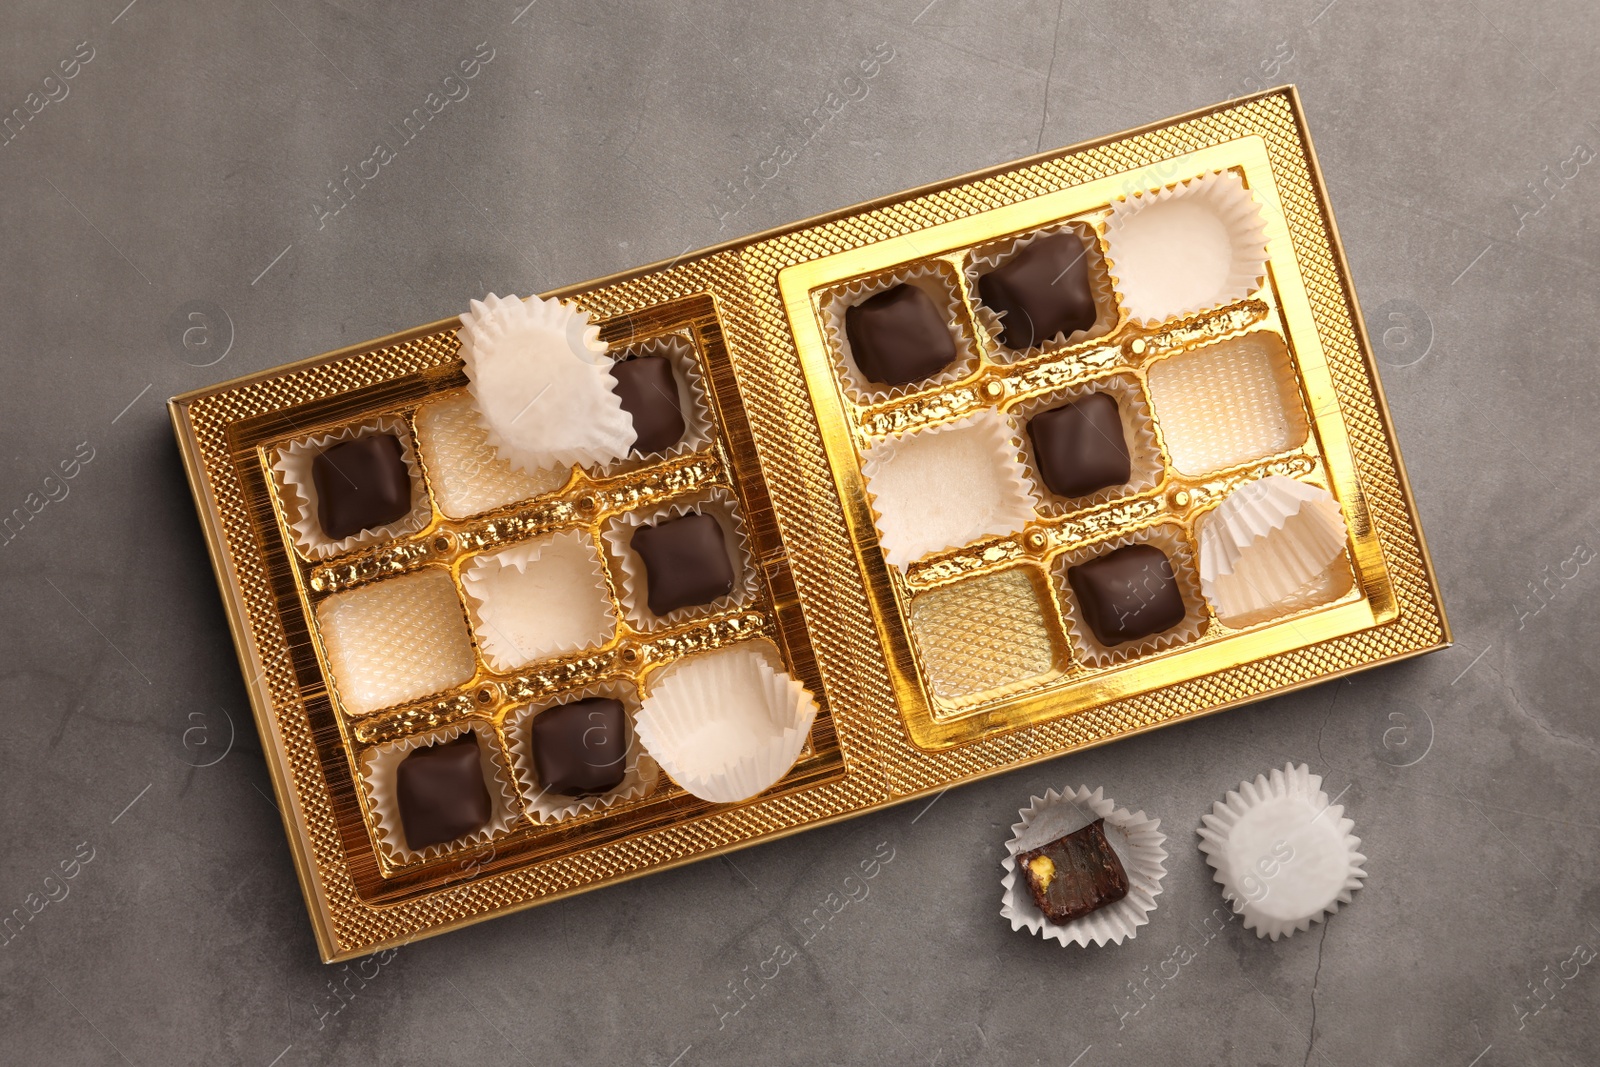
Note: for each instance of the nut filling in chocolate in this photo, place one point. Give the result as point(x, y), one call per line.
point(361, 484)
point(1074, 875)
point(685, 562)
point(899, 336)
point(1079, 448)
point(441, 794)
point(1041, 291)
point(581, 748)
point(1127, 594)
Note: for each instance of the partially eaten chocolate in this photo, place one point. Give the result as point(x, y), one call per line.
point(1074, 875)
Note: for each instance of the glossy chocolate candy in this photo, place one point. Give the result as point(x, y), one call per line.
point(1079, 448)
point(581, 748)
point(649, 392)
point(899, 336)
point(441, 794)
point(1041, 291)
point(685, 562)
point(1128, 593)
point(361, 484)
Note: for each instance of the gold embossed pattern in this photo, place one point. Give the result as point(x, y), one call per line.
point(827, 606)
point(982, 634)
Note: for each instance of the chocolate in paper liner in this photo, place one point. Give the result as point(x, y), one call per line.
point(1143, 276)
point(515, 352)
point(495, 640)
point(1171, 540)
point(726, 754)
point(994, 254)
point(298, 490)
point(1138, 430)
point(1135, 838)
point(699, 428)
point(618, 533)
point(934, 278)
point(546, 807)
point(1282, 852)
point(904, 539)
point(466, 474)
point(378, 767)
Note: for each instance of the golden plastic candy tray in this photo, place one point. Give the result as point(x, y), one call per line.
point(960, 665)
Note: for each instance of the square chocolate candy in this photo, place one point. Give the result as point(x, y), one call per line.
point(1128, 593)
point(648, 390)
point(1074, 875)
point(441, 794)
point(1041, 291)
point(899, 336)
point(581, 748)
point(361, 484)
point(1079, 448)
point(685, 562)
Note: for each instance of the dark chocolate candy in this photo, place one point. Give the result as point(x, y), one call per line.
point(441, 793)
point(649, 392)
point(361, 484)
point(899, 336)
point(1079, 448)
point(581, 748)
point(1127, 593)
point(1074, 875)
point(685, 562)
point(1041, 291)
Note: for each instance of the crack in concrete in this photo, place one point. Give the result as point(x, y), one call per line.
point(1311, 1040)
point(1538, 723)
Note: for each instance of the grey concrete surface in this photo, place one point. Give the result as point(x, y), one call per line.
point(179, 171)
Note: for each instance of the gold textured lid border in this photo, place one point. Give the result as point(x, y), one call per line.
point(825, 590)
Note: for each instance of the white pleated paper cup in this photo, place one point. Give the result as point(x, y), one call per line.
point(1282, 852)
point(726, 725)
point(297, 489)
point(540, 377)
point(1134, 837)
point(1186, 248)
point(947, 486)
point(539, 600)
point(1267, 541)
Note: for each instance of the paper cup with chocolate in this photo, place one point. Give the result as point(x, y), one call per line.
point(663, 391)
point(1131, 596)
point(726, 725)
point(1081, 870)
point(899, 332)
point(1189, 247)
point(1282, 851)
point(682, 559)
point(1048, 288)
point(351, 487)
point(438, 792)
point(1089, 444)
point(579, 752)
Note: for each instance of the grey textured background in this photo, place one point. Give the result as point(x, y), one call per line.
point(182, 166)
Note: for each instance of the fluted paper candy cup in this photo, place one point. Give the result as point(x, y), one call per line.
point(1284, 855)
point(1268, 540)
point(297, 489)
point(538, 600)
point(1135, 838)
point(726, 725)
point(1186, 248)
point(540, 376)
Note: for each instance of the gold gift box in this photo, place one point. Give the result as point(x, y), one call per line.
point(905, 710)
